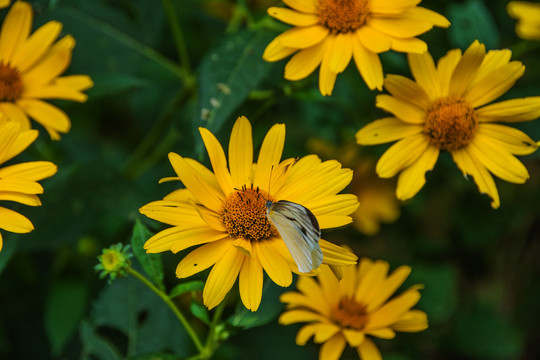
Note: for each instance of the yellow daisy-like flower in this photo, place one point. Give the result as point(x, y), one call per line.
point(226, 211)
point(528, 16)
point(331, 32)
point(19, 182)
point(346, 311)
point(30, 66)
point(448, 108)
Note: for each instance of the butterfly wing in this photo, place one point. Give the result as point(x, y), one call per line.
point(300, 231)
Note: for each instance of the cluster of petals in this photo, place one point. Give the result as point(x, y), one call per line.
point(528, 16)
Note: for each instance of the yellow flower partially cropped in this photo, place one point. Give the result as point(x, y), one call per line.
point(30, 69)
point(331, 32)
point(449, 108)
point(528, 17)
point(352, 310)
point(225, 212)
point(19, 182)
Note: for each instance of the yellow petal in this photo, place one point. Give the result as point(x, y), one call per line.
point(412, 45)
point(303, 37)
point(510, 139)
point(373, 40)
point(393, 310)
point(510, 111)
point(401, 155)
point(15, 29)
point(424, 71)
point(341, 53)
point(305, 62)
point(469, 165)
point(299, 300)
point(241, 152)
point(36, 45)
point(403, 110)
point(341, 204)
point(353, 337)
point(325, 331)
point(20, 185)
point(386, 130)
point(369, 65)
point(202, 258)
point(391, 7)
point(177, 239)
point(466, 68)
point(210, 218)
point(218, 160)
point(8, 136)
point(401, 27)
point(333, 348)
point(173, 213)
point(52, 118)
point(273, 263)
point(368, 288)
point(292, 17)
point(269, 155)
point(385, 333)
point(327, 77)
point(498, 161)
point(26, 199)
point(14, 113)
point(445, 68)
point(333, 221)
point(412, 321)
point(368, 350)
point(222, 277)
point(336, 255)
point(275, 51)
point(33, 170)
point(306, 6)
point(305, 333)
point(204, 193)
point(407, 90)
point(413, 178)
point(386, 288)
point(64, 88)
point(312, 293)
point(14, 222)
point(295, 316)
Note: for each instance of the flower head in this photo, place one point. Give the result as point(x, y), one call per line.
point(448, 109)
point(114, 261)
point(226, 211)
point(30, 65)
point(19, 182)
point(331, 32)
point(348, 311)
point(528, 17)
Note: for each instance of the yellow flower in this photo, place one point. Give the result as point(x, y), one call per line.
point(378, 204)
point(347, 311)
point(225, 210)
point(4, 3)
point(30, 66)
point(447, 109)
point(19, 182)
point(528, 16)
point(331, 32)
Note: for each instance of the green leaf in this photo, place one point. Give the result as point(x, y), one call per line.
point(227, 74)
point(200, 312)
point(471, 21)
point(151, 263)
point(196, 285)
point(64, 308)
point(95, 346)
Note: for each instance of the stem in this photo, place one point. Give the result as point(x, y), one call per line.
point(210, 340)
point(178, 36)
point(172, 306)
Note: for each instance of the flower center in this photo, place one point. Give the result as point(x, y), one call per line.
point(244, 215)
point(350, 314)
point(110, 260)
point(450, 123)
point(11, 85)
point(342, 16)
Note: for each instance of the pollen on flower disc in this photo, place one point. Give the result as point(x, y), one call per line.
point(244, 215)
point(11, 85)
point(350, 314)
point(342, 16)
point(450, 123)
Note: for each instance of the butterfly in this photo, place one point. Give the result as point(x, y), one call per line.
point(299, 230)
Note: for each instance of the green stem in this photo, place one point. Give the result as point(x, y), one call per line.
point(172, 306)
point(211, 339)
point(178, 36)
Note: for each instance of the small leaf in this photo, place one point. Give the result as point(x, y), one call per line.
point(151, 263)
point(196, 285)
point(227, 75)
point(64, 308)
point(200, 312)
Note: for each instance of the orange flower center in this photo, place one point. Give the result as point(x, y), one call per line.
point(450, 123)
point(350, 314)
point(11, 85)
point(244, 215)
point(343, 16)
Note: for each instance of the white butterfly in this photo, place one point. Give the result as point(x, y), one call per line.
point(299, 230)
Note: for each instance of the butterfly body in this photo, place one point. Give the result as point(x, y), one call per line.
point(300, 231)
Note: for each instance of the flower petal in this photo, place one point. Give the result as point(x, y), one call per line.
point(33, 170)
point(20, 185)
point(15, 113)
point(412, 45)
point(336, 255)
point(391, 7)
point(305, 333)
point(26, 199)
point(173, 213)
point(424, 71)
point(218, 160)
point(510, 139)
point(202, 258)
point(333, 348)
point(391, 312)
point(15, 30)
point(466, 68)
point(510, 111)
point(387, 287)
point(275, 51)
point(64, 88)
point(386, 130)
point(273, 263)
point(241, 152)
point(407, 90)
point(401, 155)
point(36, 45)
point(373, 40)
point(303, 37)
point(368, 350)
point(413, 178)
point(250, 282)
point(341, 53)
point(412, 321)
point(177, 239)
point(327, 77)
point(295, 316)
point(306, 6)
point(293, 17)
point(14, 222)
point(368, 288)
point(222, 277)
point(403, 110)
point(369, 65)
point(52, 118)
point(305, 62)
point(354, 338)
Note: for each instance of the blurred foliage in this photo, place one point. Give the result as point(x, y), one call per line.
point(479, 266)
